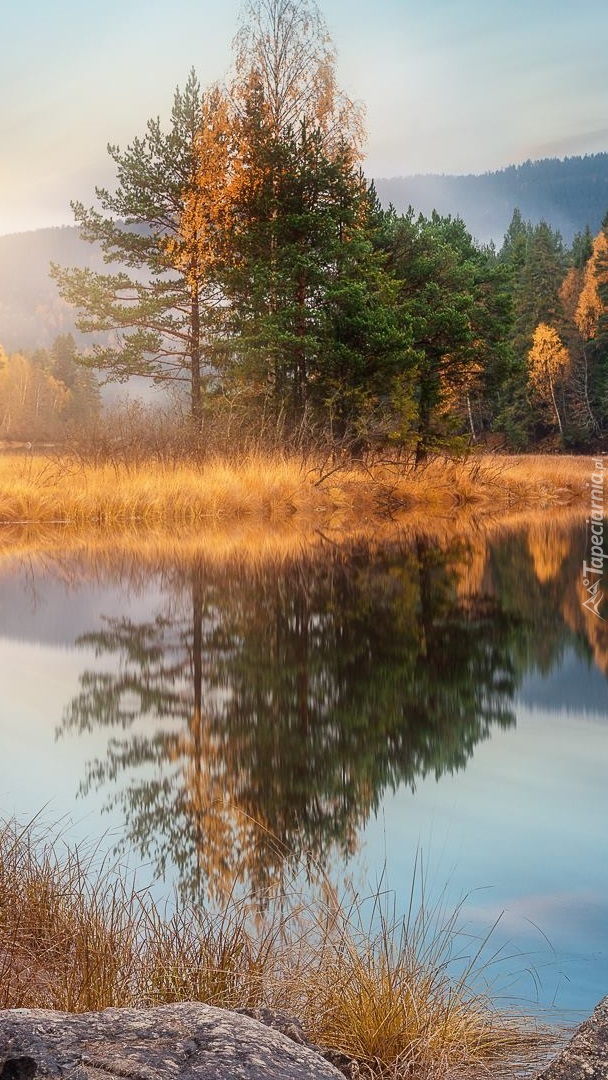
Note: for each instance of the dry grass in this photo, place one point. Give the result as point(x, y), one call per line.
point(379, 990)
point(38, 489)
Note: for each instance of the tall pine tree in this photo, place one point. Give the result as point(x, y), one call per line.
point(156, 311)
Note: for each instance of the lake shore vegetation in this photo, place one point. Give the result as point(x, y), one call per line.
point(393, 995)
point(64, 489)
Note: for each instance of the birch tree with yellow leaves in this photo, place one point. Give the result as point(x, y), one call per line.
point(284, 53)
point(548, 363)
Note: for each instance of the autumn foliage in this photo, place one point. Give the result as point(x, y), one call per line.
point(548, 363)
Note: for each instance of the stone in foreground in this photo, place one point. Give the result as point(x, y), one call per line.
point(188, 1041)
point(586, 1055)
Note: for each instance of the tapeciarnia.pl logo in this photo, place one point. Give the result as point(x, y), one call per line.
point(593, 570)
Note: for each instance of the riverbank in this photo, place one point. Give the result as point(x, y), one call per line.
point(37, 489)
point(76, 938)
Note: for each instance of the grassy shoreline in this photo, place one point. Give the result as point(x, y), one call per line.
point(76, 937)
point(35, 489)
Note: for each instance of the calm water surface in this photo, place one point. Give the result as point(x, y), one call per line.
point(362, 703)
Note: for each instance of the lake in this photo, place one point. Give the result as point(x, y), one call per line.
point(436, 697)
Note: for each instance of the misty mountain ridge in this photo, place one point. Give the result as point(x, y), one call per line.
point(32, 314)
point(568, 193)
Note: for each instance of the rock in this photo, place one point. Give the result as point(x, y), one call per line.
point(586, 1055)
point(291, 1026)
point(187, 1041)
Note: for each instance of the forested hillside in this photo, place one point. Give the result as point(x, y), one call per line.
point(32, 314)
point(567, 194)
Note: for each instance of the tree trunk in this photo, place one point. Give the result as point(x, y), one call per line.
point(593, 421)
point(424, 424)
point(559, 421)
point(470, 415)
point(195, 362)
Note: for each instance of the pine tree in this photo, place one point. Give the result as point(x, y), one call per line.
point(535, 261)
point(457, 305)
point(537, 286)
point(514, 250)
point(314, 328)
point(314, 333)
point(155, 312)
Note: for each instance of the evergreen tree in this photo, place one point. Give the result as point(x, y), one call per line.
point(314, 321)
point(582, 248)
point(516, 241)
point(535, 261)
point(456, 302)
point(158, 307)
point(537, 285)
point(84, 397)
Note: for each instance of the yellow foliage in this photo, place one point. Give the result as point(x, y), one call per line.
point(548, 359)
point(285, 57)
point(208, 197)
point(548, 546)
point(570, 291)
point(32, 401)
point(590, 306)
point(548, 362)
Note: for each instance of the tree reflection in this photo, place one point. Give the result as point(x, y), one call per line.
point(264, 711)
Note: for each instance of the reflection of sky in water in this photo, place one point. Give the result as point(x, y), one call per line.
point(40, 774)
point(521, 832)
point(574, 686)
point(51, 611)
point(36, 770)
point(524, 827)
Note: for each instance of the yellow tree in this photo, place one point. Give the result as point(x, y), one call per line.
point(584, 307)
point(579, 299)
point(285, 54)
point(32, 402)
point(590, 305)
point(548, 363)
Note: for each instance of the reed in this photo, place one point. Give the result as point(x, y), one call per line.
point(43, 490)
point(77, 936)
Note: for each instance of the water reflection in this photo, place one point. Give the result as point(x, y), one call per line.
point(264, 708)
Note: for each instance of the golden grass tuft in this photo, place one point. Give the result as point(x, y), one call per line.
point(76, 937)
point(394, 995)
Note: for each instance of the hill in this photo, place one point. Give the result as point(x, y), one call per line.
point(569, 194)
point(32, 313)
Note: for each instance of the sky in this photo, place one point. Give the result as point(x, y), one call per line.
point(450, 86)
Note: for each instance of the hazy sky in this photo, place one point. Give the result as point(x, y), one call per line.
point(449, 85)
